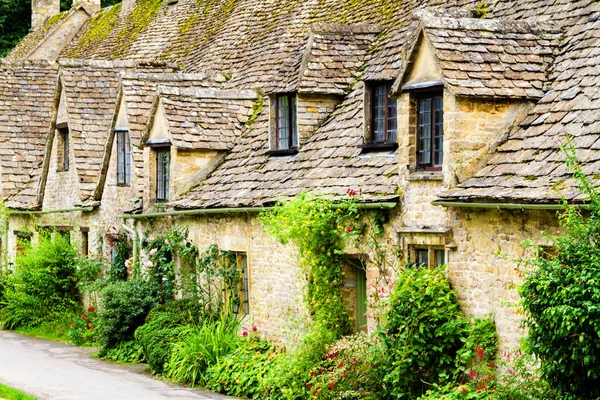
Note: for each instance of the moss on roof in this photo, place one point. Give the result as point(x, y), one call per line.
point(36, 37)
point(96, 30)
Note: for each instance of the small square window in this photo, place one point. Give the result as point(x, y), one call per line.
point(430, 131)
point(428, 257)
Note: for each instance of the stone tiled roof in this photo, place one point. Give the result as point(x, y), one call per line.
point(206, 118)
point(490, 58)
point(529, 165)
point(92, 91)
point(27, 102)
point(329, 59)
point(328, 164)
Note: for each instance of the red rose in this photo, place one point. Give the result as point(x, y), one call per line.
point(84, 317)
point(90, 309)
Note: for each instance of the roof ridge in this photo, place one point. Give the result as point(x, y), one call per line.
point(201, 93)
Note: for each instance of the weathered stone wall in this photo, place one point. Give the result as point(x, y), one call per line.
point(276, 281)
point(61, 186)
point(312, 111)
point(483, 267)
point(64, 33)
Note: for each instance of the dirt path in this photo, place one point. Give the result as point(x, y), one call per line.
point(50, 370)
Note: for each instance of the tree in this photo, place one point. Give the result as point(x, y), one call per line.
point(561, 295)
point(15, 21)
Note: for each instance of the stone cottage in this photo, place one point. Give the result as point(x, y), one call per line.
point(446, 115)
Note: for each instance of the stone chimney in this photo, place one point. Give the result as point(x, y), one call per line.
point(42, 9)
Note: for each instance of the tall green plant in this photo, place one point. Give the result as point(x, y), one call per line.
point(43, 285)
point(316, 227)
point(561, 296)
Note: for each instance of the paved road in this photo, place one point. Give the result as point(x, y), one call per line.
point(50, 370)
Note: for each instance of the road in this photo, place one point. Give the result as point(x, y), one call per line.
point(50, 370)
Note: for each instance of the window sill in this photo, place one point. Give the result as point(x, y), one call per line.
point(370, 147)
point(123, 185)
point(426, 176)
point(279, 153)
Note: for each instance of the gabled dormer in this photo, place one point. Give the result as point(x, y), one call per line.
point(189, 133)
point(462, 85)
point(314, 80)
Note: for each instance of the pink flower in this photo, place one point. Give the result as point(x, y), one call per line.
point(351, 192)
point(167, 242)
point(153, 252)
point(244, 333)
point(348, 229)
point(254, 328)
point(472, 373)
point(149, 264)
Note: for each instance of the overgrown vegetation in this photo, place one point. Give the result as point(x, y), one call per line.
point(9, 393)
point(43, 286)
point(560, 295)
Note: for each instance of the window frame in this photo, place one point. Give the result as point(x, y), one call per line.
point(63, 150)
point(431, 256)
point(387, 115)
point(292, 121)
point(162, 195)
point(123, 157)
point(419, 97)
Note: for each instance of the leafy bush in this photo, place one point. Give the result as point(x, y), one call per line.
point(43, 285)
point(349, 370)
point(163, 326)
point(291, 371)
point(4, 282)
point(424, 334)
point(561, 295)
point(201, 347)
point(124, 307)
point(241, 372)
point(124, 352)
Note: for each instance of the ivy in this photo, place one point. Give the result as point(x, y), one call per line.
point(317, 227)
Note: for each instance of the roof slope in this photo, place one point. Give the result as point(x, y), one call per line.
point(328, 164)
point(206, 119)
point(491, 58)
point(27, 102)
point(529, 165)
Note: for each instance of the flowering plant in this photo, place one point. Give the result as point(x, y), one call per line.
point(82, 330)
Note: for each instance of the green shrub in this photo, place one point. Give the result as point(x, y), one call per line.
point(424, 334)
point(240, 373)
point(4, 279)
point(124, 352)
point(43, 285)
point(123, 308)
point(561, 296)
point(291, 371)
point(163, 326)
point(83, 328)
point(201, 347)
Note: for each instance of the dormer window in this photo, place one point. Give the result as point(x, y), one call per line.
point(285, 132)
point(163, 166)
point(381, 117)
point(430, 131)
point(123, 157)
point(384, 115)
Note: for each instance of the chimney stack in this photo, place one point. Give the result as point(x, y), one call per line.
point(43, 9)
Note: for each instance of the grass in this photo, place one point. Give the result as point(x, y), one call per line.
point(51, 330)
point(9, 393)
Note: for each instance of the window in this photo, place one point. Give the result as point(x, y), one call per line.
point(85, 240)
point(241, 300)
point(430, 132)
point(428, 257)
point(384, 116)
point(354, 291)
point(123, 158)
point(286, 128)
point(23, 241)
point(63, 147)
point(163, 161)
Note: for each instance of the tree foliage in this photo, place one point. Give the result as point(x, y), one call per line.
point(561, 295)
point(15, 21)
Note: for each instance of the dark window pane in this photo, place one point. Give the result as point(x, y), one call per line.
point(283, 128)
point(379, 99)
point(294, 124)
point(424, 132)
point(440, 257)
point(439, 131)
point(422, 256)
point(163, 159)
